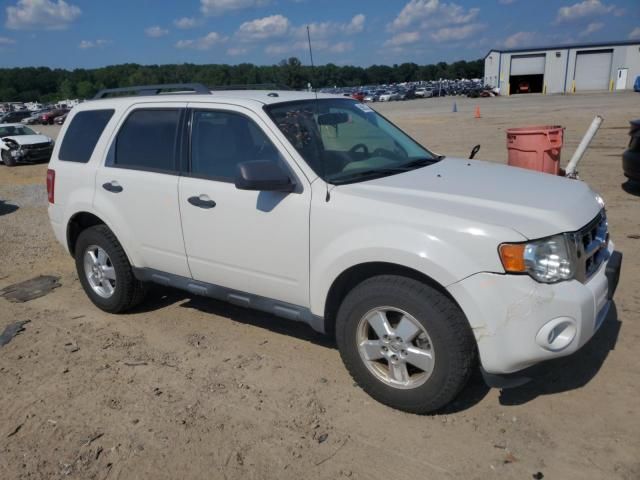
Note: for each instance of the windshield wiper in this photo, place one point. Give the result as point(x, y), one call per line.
point(382, 172)
point(421, 162)
point(373, 173)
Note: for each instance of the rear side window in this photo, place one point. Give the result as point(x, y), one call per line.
point(83, 134)
point(147, 141)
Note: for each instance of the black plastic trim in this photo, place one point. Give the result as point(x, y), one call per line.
point(612, 272)
point(236, 297)
point(506, 380)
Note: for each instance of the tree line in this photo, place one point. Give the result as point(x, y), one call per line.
point(44, 84)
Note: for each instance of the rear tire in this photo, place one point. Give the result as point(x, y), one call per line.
point(7, 159)
point(435, 343)
point(105, 272)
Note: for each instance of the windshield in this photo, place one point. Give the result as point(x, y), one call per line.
point(15, 131)
point(345, 141)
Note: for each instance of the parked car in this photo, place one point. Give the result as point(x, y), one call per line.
point(48, 118)
point(636, 85)
point(424, 92)
point(358, 96)
point(35, 118)
point(416, 262)
point(371, 97)
point(12, 117)
point(388, 96)
point(61, 119)
point(523, 87)
point(631, 156)
point(19, 143)
point(408, 94)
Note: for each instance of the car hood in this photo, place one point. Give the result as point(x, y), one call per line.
point(28, 139)
point(534, 204)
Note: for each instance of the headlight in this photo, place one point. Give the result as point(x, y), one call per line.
point(548, 261)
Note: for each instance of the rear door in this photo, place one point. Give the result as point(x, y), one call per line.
point(137, 190)
point(249, 241)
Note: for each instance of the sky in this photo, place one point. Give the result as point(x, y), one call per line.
point(94, 33)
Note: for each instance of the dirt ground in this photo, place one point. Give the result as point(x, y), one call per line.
point(187, 387)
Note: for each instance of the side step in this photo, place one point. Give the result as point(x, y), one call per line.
point(235, 297)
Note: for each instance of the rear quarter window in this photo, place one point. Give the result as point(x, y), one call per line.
point(83, 135)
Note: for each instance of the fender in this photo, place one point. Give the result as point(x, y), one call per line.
point(444, 262)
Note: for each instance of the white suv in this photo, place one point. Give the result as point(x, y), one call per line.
point(320, 210)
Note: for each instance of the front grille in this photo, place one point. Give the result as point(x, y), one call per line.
point(591, 243)
point(36, 146)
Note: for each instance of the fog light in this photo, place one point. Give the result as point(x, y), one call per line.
point(557, 334)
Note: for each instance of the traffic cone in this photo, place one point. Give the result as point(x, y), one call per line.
point(478, 111)
point(455, 107)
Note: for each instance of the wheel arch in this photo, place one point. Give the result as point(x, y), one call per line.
point(356, 274)
point(77, 224)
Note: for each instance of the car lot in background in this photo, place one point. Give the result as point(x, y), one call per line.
point(412, 90)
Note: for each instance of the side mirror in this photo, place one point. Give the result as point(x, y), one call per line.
point(264, 176)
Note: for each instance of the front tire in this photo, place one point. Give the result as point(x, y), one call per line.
point(405, 343)
point(7, 159)
point(105, 272)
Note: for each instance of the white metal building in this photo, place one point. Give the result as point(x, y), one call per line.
point(564, 69)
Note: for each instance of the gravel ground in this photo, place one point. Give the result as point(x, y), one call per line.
point(186, 387)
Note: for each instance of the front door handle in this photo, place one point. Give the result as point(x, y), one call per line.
point(202, 201)
point(112, 186)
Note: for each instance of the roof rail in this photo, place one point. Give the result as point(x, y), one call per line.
point(250, 86)
point(142, 90)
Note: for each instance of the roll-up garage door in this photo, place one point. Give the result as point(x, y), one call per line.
point(593, 70)
point(527, 64)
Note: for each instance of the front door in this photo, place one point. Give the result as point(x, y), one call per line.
point(253, 242)
point(137, 191)
point(621, 79)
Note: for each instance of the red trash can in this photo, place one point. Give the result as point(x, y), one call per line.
point(536, 148)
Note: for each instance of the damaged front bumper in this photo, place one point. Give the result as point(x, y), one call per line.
point(519, 322)
point(31, 153)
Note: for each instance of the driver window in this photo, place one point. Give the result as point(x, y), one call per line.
point(221, 140)
point(344, 137)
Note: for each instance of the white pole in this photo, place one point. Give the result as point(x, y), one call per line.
point(571, 170)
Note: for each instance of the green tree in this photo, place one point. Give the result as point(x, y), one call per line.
point(67, 89)
point(85, 89)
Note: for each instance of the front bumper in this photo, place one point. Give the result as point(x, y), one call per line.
point(37, 154)
point(519, 322)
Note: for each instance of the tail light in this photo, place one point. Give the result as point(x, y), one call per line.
point(51, 185)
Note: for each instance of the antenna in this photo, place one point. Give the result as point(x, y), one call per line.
point(315, 91)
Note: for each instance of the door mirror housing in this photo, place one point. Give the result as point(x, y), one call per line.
point(264, 176)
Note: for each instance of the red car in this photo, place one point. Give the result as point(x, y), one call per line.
point(359, 96)
point(47, 118)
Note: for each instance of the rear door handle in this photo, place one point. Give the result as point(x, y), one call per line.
point(112, 186)
point(202, 201)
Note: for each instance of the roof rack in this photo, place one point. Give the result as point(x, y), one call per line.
point(143, 90)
